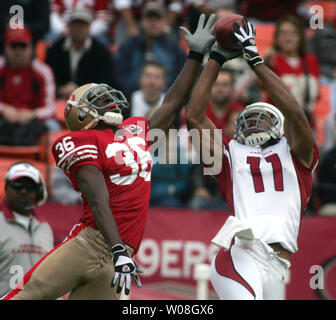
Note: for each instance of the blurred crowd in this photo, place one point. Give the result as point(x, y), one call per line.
point(136, 47)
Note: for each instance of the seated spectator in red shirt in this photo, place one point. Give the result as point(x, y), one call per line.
point(298, 68)
point(27, 91)
point(222, 105)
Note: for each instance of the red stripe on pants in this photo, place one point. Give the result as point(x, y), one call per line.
point(225, 267)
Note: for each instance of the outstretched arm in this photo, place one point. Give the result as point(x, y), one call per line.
point(196, 108)
point(199, 42)
point(296, 126)
point(210, 139)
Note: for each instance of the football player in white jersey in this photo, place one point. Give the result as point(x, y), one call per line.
point(265, 177)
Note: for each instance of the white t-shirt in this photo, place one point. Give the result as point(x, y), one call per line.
point(140, 107)
point(23, 220)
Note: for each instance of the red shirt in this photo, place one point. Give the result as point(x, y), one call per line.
point(126, 165)
point(221, 122)
point(93, 5)
point(281, 66)
point(31, 88)
point(295, 78)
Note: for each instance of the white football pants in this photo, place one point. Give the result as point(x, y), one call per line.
point(250, 270)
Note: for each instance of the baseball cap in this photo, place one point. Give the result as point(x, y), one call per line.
point(153, 9)
point(81, 14)
point(17, 35)
point(22, 170)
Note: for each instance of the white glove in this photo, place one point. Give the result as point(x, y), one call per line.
point(125, 268)
point(203, 37)
point(247, 40)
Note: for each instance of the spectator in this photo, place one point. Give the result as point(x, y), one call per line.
point(130, 13)
point(172, 184)
point(35, 15)
point(206, 193)
point(222, 104)
point(62, 192)
point(78, 58)
point(294, 65)
point(27, 92)
point(152, 44)
point(24, 239)
point(152, 82)
point(268, 10)
point(101, 20)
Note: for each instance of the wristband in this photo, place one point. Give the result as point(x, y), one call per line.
point(118, 248)
point(255, 61)
point(217, 57)
point(195, 56)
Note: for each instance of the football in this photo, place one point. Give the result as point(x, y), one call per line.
point(224, 30)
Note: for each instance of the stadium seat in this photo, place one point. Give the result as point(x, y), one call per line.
point(321, 111)
point(36, 152)
point(40, 50)
point(264, 36)
point(5, 163)
point(60, 112)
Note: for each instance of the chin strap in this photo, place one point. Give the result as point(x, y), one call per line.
point(110, 118)
point(257, 139)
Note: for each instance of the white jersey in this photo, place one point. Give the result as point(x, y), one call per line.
point(268, 188)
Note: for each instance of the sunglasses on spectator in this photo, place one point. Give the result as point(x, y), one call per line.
point(153, 15)
point(29, 186)
point(20, 45)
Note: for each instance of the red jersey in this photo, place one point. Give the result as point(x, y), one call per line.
point(297, 75)
point(126, 164)
point(68, 5)
point(30, 88)
point(221, 122)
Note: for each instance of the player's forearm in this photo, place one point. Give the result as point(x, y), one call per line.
point(296, 126)
point(106, 223)
point(175, 97)
point(278, 91)
point(201, 94)
point(92, 185)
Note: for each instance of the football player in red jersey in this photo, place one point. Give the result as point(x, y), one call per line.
point(106, 158)
point(265, 177)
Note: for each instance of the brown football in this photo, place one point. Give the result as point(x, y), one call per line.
point(224, 30)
